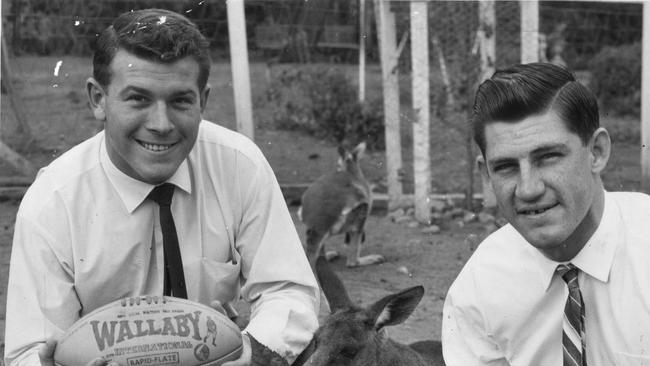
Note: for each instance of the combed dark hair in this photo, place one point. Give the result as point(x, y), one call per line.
point(517, 92)
point(156, 35)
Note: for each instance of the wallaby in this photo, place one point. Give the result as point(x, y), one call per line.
point(354, 335)
point(339, 202)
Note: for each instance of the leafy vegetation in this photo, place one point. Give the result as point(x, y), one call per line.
point(322, 102)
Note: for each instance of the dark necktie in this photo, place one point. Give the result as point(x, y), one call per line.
point(573, 325)
point(174, 277)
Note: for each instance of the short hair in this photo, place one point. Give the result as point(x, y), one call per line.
point(156, 35)
point(524, 90)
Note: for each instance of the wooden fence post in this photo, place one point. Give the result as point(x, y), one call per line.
point(420, 87)
point(14, 100)
point(362, 51)
point(487, 46)
point(645, 101)
point(385, 21)
point(529, 31)
point(240, 68)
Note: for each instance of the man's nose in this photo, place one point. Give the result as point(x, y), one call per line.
point(159, 121)
point(530, 185)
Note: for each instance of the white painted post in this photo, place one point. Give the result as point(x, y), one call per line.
point(645, 101)
point(487, 45)
point(240, 70)
point(388, 54)
point(529, 31)
point(420, 87)
point(362, 50)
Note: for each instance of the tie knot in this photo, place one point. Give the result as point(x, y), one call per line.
point(569, 272)
point(162, 194)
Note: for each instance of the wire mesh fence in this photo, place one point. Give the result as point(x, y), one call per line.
point(297, 33)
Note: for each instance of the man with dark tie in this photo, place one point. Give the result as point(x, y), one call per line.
point(567, 280)
point(159, 202)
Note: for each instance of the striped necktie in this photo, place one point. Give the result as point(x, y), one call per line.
point(174, 283)
point(573, 325)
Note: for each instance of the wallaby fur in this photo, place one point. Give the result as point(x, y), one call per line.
point(339, 202)
point(354, 335)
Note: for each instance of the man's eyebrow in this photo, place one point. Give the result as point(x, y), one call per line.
point(499, 161)
point(132, 88)
point(540, 150)
point(188, 92)
point(561, 147)
point(137, 89)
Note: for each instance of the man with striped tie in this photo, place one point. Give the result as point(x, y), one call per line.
point(567, 281)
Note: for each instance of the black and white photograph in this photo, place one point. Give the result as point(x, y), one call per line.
point(325, 183)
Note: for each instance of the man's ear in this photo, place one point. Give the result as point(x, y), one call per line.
point(204, 97)
point(600, 146)
point(489, 197)
point(481, 164)
point(96, 98)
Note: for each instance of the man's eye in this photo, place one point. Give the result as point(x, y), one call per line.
point(186, 101)
point(548, 156)
point(503, 168)
point(136, 98)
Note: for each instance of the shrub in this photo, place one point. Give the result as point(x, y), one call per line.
point(616, 75)
point(323, 102)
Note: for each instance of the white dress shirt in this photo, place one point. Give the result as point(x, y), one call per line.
point(506, 305)
point(86, 235)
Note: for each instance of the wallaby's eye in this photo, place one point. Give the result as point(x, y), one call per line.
point(349, 352)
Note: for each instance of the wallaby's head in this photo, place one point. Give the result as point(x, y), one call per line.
point(353, 335)
point(349, 159)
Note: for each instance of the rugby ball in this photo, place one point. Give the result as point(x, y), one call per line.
point(151, 330)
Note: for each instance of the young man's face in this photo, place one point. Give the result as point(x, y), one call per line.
point(546, 181)
point(151, 112)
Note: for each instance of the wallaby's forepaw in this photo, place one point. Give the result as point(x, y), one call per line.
point(331, 255)
point(366, 260)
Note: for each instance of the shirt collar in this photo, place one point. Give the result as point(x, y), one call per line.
point(596, 257)
point(132, 191)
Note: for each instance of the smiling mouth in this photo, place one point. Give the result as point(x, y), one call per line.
point(538, 211)
point(155, 147)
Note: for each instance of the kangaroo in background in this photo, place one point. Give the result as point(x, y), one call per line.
point(339, 202)
point(354, 335)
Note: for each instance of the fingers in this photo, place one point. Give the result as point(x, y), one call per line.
point(46, 352)
point(216, 305)
point(102, 362)
point(246, 356)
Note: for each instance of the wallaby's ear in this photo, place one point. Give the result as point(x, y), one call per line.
point(332, 285)
point(396, 308)
point(359, 150)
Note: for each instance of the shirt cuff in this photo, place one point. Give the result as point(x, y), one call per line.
point(27, 358)
point(285, 326)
